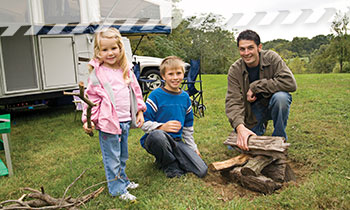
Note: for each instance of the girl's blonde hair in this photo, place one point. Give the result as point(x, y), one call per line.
point(112, 33)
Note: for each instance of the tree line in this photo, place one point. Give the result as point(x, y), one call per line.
point(206, 39)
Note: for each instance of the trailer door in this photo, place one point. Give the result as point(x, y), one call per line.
point(58, 61)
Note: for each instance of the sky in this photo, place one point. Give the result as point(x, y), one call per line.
point(272, 19)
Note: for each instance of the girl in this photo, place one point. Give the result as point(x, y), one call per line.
point(109, 80)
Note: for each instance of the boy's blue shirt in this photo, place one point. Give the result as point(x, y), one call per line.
point(163, 106)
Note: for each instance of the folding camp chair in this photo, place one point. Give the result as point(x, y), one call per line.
point(143, 81)
point(78, 103)
point(189, 85)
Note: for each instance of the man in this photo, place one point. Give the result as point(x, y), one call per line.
point(258, 90)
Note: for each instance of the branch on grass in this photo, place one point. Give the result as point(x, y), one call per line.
point(43, 201)
point(65, 192)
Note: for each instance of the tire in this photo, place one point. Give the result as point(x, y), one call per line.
point(153, 74)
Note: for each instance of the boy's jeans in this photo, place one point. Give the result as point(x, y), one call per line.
point(277, 110)
point(167, 150)
point(115, 154)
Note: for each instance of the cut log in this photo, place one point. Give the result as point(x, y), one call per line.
point(260, 183)
point(290, 176)
point(230, 163)
point(273, 146)
point(255, 165)
point(279, 171)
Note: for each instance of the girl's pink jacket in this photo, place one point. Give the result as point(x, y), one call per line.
point(104, 114)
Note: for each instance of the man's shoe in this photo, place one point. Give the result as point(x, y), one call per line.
point(127, 196)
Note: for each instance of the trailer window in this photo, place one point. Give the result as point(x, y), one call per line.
point(61, 11)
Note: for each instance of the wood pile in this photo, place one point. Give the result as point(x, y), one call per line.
point(263, 168)
point(40, 200)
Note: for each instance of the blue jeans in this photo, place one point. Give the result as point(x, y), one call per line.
point(277, 110)
point(174, 154)
point(115, 154)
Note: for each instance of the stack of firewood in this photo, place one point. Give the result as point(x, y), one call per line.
point(263, 168)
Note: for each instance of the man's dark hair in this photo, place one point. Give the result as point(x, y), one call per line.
point(248, 35)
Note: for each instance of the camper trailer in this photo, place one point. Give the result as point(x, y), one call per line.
point(45, 45)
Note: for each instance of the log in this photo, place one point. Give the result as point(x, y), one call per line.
point(230, 163)
point(289, 174)
point(255, 165)
point(260, 183)
point(273, 146)
point(279, 171)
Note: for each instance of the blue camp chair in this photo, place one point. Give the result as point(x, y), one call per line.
point(189, 85)
point(143, 81)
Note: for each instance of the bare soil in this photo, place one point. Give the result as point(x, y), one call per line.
point(227, 190)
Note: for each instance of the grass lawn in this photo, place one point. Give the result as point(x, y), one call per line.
point(50, 149)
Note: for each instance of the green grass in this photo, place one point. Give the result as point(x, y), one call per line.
point(49, 149)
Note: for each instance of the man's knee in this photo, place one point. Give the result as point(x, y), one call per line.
point(281, 99)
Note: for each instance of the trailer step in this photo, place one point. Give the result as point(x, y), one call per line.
point(28, 107)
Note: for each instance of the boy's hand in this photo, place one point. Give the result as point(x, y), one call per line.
point(198, 153)
point(172, 126)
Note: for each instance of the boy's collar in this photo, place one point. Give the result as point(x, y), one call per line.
point(172, 92)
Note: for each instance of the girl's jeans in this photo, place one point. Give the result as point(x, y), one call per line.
point(114, 150)
point(277, 110)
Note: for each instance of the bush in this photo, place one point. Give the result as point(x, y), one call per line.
point(297, 65)
point(346, 68)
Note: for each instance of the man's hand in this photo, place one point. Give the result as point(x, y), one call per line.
point(251, 96)
point(243, 134)
point(88, 130)
point(172, 126)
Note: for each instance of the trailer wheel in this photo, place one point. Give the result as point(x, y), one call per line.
point(153, 74)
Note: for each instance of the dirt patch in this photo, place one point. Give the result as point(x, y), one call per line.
point(227, 190)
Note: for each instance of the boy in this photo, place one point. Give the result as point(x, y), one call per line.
point(169, 121)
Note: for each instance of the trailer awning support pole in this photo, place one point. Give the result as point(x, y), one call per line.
point(138, 44)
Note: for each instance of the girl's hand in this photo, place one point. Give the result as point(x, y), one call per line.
point(140, 119)
point(88, 130)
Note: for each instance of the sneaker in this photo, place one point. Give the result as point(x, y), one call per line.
point(132, 185)
point(173, 170)
point(127, 197)
point(172, 174)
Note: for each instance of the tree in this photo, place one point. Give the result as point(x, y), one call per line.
point(297, 65)
point(322, 60)
point(196, 38)
point(215, 46)
point(340, 41)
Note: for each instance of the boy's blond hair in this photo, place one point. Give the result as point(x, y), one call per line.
point(171, 62)
point(112, 33)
